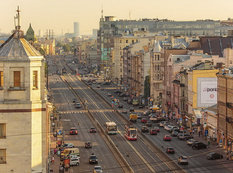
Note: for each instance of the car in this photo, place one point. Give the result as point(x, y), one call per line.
point(73, 131)
point(185, 136)
point(122, 95)
point(168, 127)
point(214, 156)
point(146, 113)
point(120, 106)
point(125, 99)
point(88, 145)
point(199, 145)
point(74, 100)
point(191, 141)
point(124, 111)
point(93, 159)
point(144, 129)
point(139, 117)
point(77, 105)
point(174, 133)
point(117, 92)
point(98, 86)
point(183, 160)
point(149, 124)
point(129, 101)
point(109, 94)
point(98, 169)
point(162, 123)
point(74, 160)
point(153, 132)
point(92, 130)
point(157, 129)
point(131, 109)
point(141, 106)
point(68, 145)
point(167, 138)
point(170, 150)
point(143, 120)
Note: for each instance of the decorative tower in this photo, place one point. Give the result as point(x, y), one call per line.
point(30, 34)
point(22, 106)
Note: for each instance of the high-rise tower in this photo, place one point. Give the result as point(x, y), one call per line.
point(76, 29)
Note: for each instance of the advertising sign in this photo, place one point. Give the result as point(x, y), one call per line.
point(207, 92)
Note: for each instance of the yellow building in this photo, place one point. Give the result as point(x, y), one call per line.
point(202, 90)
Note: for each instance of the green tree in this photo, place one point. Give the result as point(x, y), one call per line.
point(66, 48)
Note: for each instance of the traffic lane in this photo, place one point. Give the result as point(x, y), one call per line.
point(99, 148)
point(74, 120)
point(197, 158)
point(125, 148)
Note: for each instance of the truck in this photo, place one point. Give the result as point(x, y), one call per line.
point(133, 117)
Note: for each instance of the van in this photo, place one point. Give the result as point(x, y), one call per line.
point(74, 160)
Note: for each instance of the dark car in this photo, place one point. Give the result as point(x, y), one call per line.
point(73, 131)
point(170, 150)
point(131, 109)
point(149, 124)
point(144, 129)
point(92, 130)
point(125, 99)
point(153, 132)
point(174, 133)
point(93, 159)
point(129, 101)
point(120, 106)
point(141, 106)
point(88, 145)
point(122, 95)
point(199, 145)
point(117, 92)
point(214, 156)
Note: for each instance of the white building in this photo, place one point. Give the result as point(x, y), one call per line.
point(22, 107)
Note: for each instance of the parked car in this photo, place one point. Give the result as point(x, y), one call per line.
point(157, 129)
point(149, 124)
point(109, 94)
point(77, 105)
point(167, 138)
point(124, 111)
point(153, 132)
point(168, 127)
point(143, 120)
point(68, 145)
point(98, 169)
point(162, 123)
point(183, 160)
point(131, 109)
point(185, 137)
point(199, 145)
point(73, 131)
point(141, 106)
point(214, 156)
point(144, 129)
point(170, 150)
point(174, 133)
point(92, 130)
point(88, 145)
point(93, 159)
point(191, 141)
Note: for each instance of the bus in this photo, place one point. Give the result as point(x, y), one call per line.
point(111, 128)
point(130, 133)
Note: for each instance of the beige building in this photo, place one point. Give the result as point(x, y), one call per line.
point(225, 109)
point(22, 107)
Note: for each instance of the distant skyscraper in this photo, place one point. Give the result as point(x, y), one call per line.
point(76, 29)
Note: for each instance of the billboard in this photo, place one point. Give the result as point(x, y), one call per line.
point(207, 91)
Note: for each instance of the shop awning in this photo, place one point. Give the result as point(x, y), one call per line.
point(197, 113)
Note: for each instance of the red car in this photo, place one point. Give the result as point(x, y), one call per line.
point(73, 131)
point(144, 120)
point(157, 129)
point(153, 132)
point(92, 130)
point(167, 138)
point(170, 150)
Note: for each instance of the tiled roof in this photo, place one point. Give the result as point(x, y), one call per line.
point(17, 49)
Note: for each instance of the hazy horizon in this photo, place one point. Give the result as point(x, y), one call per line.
point(59, 15)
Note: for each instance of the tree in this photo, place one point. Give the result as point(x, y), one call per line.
point(147, 87)
point(66, 48)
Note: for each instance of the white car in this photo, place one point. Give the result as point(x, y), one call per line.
point(168, 127)
point(183, 160)
point(68, 145)
point(74, 161)
point(191, 141)
point(162, 123)
point(98, 169)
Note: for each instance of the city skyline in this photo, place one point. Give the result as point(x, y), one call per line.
point(59, 15)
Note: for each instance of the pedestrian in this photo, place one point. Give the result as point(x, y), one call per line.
point(53, 159)
point(199, 133)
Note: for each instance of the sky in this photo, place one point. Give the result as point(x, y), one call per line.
point(59, 15)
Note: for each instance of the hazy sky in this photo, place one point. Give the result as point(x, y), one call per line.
point(59, 15)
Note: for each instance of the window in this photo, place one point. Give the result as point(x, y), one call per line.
point(2, 130)
point(132, 41)
point(2, 156)
point(35, 79)
point(158, 57)
point(16, 78)
point(126, 41)
point(1, 78)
